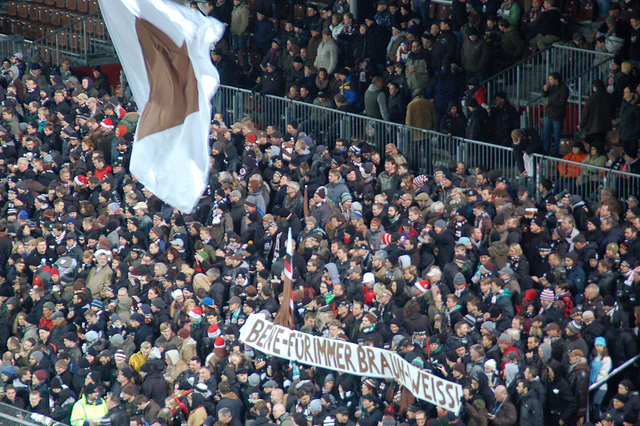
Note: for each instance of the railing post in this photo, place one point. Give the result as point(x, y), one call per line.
point(547, 61)
point(58, 48)
point(579, 99)
point(84, 41)
point(518, 72)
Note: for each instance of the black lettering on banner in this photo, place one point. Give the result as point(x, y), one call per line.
point(269, 343)
point(415, 383)
point(293, 339)
point(362, 362)
point(339, 355)
point(299, 348)
point(371, 357)
point(450, 393)
point(307, 348)
point(331, 353)
point(276, 340)
point(321, 350)
point(441, 398)
point(384, 365)
point(426, 389)
point(347, 357)
point(265, 334)
point(254, 334)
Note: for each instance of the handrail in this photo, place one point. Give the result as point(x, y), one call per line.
point(599, 383)
point(538, 53)
point(573, 79)
point(622, 367)
point(84, 18)
point(514, 66)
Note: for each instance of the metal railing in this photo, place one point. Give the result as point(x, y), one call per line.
point(585, 180)
point(580, 88)
point(424, 149)
point(10, 415)
point(77, 41)
point(613, 373)
point(523, 80)
point(10, 44)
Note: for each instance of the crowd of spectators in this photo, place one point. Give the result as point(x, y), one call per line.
point(398, 63)
point(117, 309)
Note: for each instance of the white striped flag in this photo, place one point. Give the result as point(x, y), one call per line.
point(164, 50)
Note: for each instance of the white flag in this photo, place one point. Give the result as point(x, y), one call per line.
point(164, 51)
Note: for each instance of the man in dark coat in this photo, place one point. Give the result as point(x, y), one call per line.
point(117, 415)
point(557, 94)
point(505, 119)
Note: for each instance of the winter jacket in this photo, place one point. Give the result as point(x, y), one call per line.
point(629, 128)
point(557, 97)
point(579, 382)
point(240, 19)
point(155, 387)
point(327, 56)
point(375, 103)
point(421, 113)
point(596, 114)
point(419, 79)
point(569, 170)
point(476, 55)
point(531, 413)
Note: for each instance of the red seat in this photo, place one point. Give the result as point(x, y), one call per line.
point(66, 18)
point(82, 6)
point(45, 52)
point(72, 5)
point(12, 8)
point(23, 11)
point(62, 39)
point(34, 13)
point(50, 2)
point(61, 4)
point(101, 30)
point(93, 6)
point(45, 15)
point(39, 1)
point(90, 25)
point(55, 18)
point(299, 11)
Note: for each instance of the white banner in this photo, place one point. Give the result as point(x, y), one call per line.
point(350, 358)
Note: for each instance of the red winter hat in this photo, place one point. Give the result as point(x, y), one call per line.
point(107, 123)
point(213, 331)
point(219, 343)
point(386, 238)
point(196, 312)
point(37, 281)
point(251, 138)
point(54, 271)
point(423, 286)
point(81, 180)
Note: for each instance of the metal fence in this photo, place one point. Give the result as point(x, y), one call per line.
point(10, 416)
point(10, 44)
point(586, 181)
point(77, 40)
point(580, 88)
point(424, 149)
point(523, 81)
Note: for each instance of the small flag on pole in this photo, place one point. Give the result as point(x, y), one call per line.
point(164, 50)
point(285, 314)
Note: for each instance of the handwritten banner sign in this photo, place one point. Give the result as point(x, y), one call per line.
point(350, 358)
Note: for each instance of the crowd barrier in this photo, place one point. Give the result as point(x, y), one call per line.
point(13, 416)
point(424, 149)
point(523, 80)
point(10, 44)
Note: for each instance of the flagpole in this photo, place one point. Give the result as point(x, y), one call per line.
point(285, 313)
